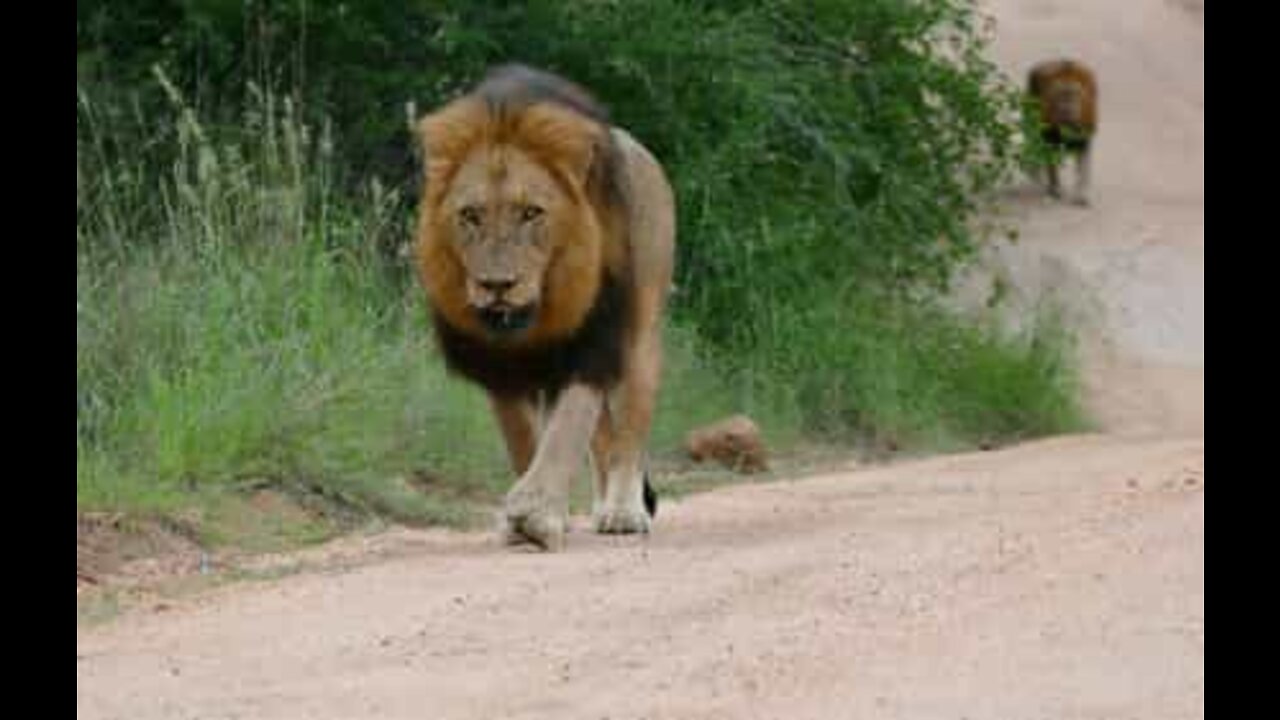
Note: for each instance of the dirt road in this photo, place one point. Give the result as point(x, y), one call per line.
point(1062, 579)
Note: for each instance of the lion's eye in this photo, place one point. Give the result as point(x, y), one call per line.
point(470, 216)
point(529, 213)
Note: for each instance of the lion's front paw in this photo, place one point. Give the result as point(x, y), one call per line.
point(622, 521)
point(531, 517)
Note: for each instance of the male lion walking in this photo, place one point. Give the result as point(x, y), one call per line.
point(545, 245)
point(1067, 94)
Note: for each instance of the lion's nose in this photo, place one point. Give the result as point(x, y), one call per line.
point(497, 285)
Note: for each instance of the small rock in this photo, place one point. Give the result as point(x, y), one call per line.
point(734, 442)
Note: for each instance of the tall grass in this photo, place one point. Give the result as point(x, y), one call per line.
point(248, 331)
point(915, 377)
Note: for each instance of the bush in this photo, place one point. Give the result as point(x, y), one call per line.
point(830, 143)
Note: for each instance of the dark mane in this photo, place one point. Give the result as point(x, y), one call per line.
point(512, 87)
point(508, 89)
point(592, 355)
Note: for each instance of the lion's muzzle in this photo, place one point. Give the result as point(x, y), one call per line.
point(503, 319)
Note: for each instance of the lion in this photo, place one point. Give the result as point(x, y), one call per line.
point(1066, 93)
point(545, 245)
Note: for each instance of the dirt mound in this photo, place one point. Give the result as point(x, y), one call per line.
point(115, 549)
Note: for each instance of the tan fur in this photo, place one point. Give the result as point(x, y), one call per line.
point(1066, 93)
point(606, 211)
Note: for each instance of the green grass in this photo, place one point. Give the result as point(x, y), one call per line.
point(272, 362)
point(292, 365)
point(247, 329)
point(279, 366)
point(912, 376)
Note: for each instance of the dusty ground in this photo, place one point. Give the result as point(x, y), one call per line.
point(1062, 579)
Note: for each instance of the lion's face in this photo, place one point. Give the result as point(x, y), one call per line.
point(512, 249)
point(502, 212)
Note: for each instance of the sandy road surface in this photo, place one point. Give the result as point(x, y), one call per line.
point(1059, 580)
point(1062, 579)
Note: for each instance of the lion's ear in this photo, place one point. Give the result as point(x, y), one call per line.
point(564, 137)
point(445, 136)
